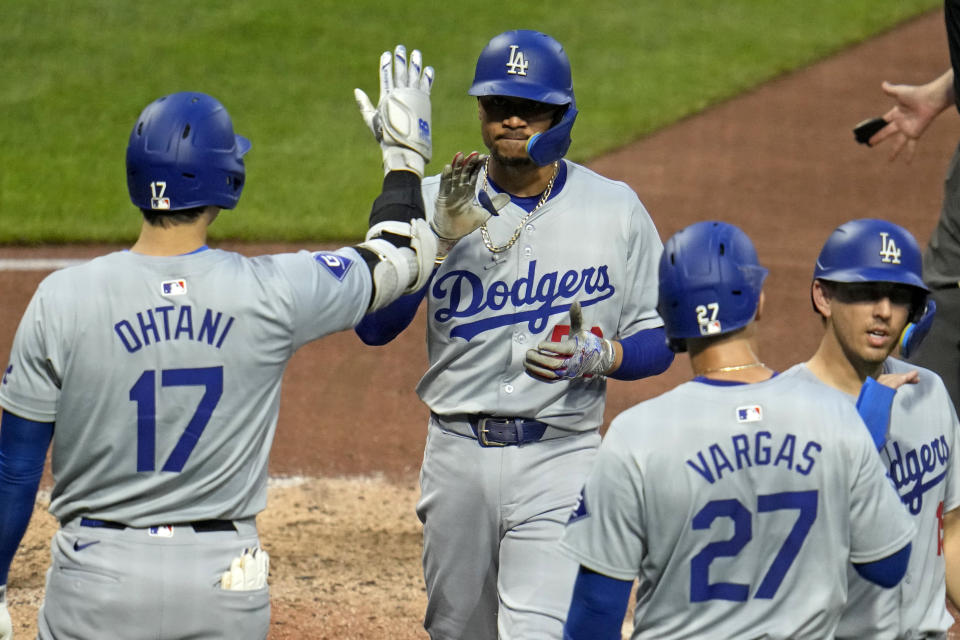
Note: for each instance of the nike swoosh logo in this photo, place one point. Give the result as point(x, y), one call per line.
point(80, 547)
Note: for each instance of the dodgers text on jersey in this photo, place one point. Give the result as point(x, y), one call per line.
point(916, 468)
point(536, 298)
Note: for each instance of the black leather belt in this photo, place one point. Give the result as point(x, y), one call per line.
point(503, 432)
point(200, 526)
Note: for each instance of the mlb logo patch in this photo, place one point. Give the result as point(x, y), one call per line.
point(710, 328)
point(163, 531)
point(336, 264)
point(173, 287)
point(752, 413)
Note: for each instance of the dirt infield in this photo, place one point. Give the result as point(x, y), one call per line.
point(779, 161)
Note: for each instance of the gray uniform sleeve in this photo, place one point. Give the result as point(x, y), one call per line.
point(643, 261)
point(36, 361)
point(606, 533)
point(879, 523)
point(328, 291)
point(951, 499)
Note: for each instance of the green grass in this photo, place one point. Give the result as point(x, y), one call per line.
point(76, 74)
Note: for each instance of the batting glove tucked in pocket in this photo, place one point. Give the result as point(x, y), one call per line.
point(247, 572)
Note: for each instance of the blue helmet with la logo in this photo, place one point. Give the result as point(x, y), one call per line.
point(871, 250)
point(533, 66)
point(183, 153)
point(710, 282)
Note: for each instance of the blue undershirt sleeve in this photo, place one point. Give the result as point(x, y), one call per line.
point(886, 572)
point(874, 405)
point(597, 608)
point(23, 452)
point(380, 327)
point(645, 353)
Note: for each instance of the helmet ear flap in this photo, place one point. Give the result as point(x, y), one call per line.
point(549, 146)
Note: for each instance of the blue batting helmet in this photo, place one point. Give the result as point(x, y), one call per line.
point(871, 250)
point(533, 66)
point(710, 282)
point(183, 153)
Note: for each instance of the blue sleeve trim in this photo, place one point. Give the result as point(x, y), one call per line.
point(886, 572)
point(645, 353)
point(598, 606)
point(874, 405)
point(23, 452)
point(381, 326)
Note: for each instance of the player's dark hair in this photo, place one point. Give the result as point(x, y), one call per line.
point(171, 218)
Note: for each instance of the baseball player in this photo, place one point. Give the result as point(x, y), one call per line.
point(514, 386)
point(156, 374)
point(738, 498)
point(867, 286)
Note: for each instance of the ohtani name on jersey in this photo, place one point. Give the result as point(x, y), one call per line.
point(466, 296)
point(913, 467)
point(173, 323)
point(762, 449)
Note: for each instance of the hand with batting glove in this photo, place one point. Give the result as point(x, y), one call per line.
point(460, 209)
point(6, 626)
point(914, 333)
point(582, 353)
point(401, 120)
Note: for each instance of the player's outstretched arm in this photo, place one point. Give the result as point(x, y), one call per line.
point(399, 249)
point(951, 554)
point(23, 452)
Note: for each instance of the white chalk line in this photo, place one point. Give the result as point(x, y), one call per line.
point(38, 264)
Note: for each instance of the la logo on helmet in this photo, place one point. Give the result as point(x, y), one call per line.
point(888, 249)
point(517, 64)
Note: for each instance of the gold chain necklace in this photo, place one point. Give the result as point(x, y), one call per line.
point(516, 234)
point(739, 367)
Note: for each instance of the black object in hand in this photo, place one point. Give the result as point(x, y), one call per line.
point(865, 130)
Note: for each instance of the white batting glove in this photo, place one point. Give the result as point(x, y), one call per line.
point(401, 120)
point(460, 210)
point(6, 626)
point(247, 572)
point(582, 353)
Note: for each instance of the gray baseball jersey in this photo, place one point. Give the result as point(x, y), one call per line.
point(918, 455)
point(593, 242)
point(163, 375)
point(739, 508)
